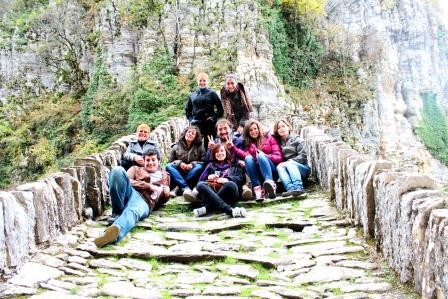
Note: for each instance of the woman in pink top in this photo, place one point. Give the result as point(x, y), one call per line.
point(261, 154)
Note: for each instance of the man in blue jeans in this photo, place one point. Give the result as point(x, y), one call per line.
point(134, 194)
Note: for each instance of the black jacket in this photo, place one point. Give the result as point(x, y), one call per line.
point(201, 105)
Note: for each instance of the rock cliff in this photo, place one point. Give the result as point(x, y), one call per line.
point(404, 43)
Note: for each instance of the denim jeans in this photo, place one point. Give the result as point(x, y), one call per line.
point(126, 202)
point(223, 200)
point(185, 179)
point(259, 168)
point(292, 174)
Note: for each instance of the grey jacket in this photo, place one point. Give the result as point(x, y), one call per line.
point(294, 148)
point(134, 148)
point(180, 153)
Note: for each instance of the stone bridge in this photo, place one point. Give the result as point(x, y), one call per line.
point(364, 230)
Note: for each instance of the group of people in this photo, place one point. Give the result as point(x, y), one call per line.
point(216, 162)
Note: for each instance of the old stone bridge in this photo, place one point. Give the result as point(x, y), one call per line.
point(364, 230)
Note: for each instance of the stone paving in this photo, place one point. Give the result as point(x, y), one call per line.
point(285, 248)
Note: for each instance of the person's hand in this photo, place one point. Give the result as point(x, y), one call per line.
point(211, 142)
point(166, 191)
point(241, 163)
point(188, 167)
point(182, 166)
point(229, 143)
point(139, 160)
point(212, 177)
point(222, 180)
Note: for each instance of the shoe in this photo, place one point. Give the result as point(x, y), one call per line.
point(175, 192)
point(112, 218)
point(246, 194)
point(288, 193)
point(239, 212)
point(200, 212)
point(296, 193)
point(109, 236)
point(259, 193)
point(190, 195)
point(269, 186)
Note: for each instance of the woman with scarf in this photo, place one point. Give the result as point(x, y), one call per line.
point(236, 101)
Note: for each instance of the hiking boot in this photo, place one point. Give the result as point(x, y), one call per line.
point(269, 187)
point(191, 195)
point(246, 194)
point(109, 236)
point(200, 212)
point(259, 193)
point(239, 212)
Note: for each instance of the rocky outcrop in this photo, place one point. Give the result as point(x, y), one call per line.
point(403, 44)
point(401, 210)
point(35, 214)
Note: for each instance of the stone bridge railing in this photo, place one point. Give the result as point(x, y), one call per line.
point(408, 219)
point(33, 215)
point(401, 210)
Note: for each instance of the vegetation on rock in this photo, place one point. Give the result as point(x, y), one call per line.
point(433, 128)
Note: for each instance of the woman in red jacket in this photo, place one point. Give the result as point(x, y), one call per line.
point(261, 154)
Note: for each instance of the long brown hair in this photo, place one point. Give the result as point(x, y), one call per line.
point(247, 139)
point(276, 135)
point(197, 139)
point(216, 148)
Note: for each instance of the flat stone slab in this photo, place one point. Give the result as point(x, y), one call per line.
point(128, 290)
point(327, 273)
point(31, 274)
point(367, 287)
point(239, 270)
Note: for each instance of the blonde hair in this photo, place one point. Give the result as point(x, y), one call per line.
point(143, 126)
point(202, 76)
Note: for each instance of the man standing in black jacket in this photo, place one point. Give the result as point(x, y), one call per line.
point(204, 108)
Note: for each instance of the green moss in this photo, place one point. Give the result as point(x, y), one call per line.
point(263, 273)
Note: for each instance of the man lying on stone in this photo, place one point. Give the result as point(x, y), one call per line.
point(134, 194)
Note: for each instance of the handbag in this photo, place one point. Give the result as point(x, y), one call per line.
point(214, 184)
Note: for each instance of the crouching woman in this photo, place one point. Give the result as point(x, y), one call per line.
point(219, 183)
point(134, 194)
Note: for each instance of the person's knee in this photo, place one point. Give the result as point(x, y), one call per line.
point(249, 159)
point(117, 173)
point(201, 186)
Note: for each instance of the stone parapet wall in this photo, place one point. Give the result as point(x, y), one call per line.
point(401, 210)
point(33, 215)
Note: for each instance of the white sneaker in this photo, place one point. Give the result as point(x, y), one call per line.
point(259, 196)
point(238, 212)
point(189, 195)
point(199, 212)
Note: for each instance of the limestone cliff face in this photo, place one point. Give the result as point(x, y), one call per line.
point(404, 43)
point(200, 35)
point(400, 41)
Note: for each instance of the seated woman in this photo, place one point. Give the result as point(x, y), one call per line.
point(185, 165)
point(295, 169)
point(137, 146)
point(261, 154)
point(219, 183)
point(134, 194)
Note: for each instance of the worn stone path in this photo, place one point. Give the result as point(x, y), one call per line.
point(285, 248)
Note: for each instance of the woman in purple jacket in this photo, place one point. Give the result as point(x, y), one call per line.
point(261, 154)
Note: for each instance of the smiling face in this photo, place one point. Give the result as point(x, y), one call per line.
point(151, 163)
point(282, 129)
point(254, 131)
point(202, 82)
point(230, 85)
point(190, 135)
point(220, 154)
point(143, 134)
point(223, 130)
